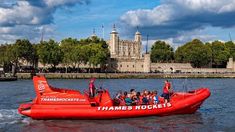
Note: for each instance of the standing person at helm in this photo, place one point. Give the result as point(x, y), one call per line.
point(92, 88)
point(166, 91)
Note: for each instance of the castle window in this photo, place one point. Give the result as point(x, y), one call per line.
point(127, 66)
point(133, 66)
point(142, 66)
point(120, 65)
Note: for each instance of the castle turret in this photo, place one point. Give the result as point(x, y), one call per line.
point(93, 34)
point(138, 37)
point(113, 42)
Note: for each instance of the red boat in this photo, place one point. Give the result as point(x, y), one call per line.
point(55, 103)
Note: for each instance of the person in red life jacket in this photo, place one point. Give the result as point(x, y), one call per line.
point(166, 91)
point(92, 88)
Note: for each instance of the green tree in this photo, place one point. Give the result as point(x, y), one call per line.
point(21, 50)
point(194, 52)
point(3, 49)
point(93, 51)
point(231, 47)
point(68, 48)
point(161, 52)
point(220, 54)
point(24, 50)
point(50, 53)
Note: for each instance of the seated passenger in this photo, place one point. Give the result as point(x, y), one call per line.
point(149, 97)
point(155, 97)
point(128, 100)
point(132, 92)
point(116, 100)
point(124, 95)
point(139, 98)
point(145, 100)
point(135, 100)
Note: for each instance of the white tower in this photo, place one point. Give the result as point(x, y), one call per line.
point(138, 39)
point(113, 42)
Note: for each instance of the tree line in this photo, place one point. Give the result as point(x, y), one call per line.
point(94, 52)
point(210, 54)
point(69, 52)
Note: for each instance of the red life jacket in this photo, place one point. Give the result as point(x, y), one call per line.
point(166, 88)
point(91, 88)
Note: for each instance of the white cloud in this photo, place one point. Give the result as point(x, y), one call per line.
point(22, 14)
point(24, 18)
point(180, 20)
point(170, 10)
point(55, 3)
point(10, 34)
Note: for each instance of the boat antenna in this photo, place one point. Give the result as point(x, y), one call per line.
point(103, 31)
point(230, 37)
point(146, 48)
point(42, 34)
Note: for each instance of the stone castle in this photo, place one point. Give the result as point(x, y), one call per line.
point(126, 55)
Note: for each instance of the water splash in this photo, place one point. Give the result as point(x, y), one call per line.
point(11, 116)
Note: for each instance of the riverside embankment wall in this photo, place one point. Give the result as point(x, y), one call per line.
point(126, 75)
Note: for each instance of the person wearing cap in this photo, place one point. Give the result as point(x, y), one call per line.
point(92, 88)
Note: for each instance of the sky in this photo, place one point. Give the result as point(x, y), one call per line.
point(174, 21)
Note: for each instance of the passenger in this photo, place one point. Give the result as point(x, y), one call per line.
point(92, 88)
point(124, 95)
point(128, 100)
point(122, 101)
point(139, 98)
point(132, 92)
point(155, 97)
point(149, 97)
point(145, 100)
point(134, 100)
point(117, 98)
point(166, 93)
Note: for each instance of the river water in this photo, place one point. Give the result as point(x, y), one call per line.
point(216, 114)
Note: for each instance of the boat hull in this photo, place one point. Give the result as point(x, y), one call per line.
point(181, 103)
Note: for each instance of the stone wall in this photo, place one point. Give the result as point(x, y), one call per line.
point(169, 67)
point(130, 65)
point(231, 64)
point(185, 68)
point(126, 65)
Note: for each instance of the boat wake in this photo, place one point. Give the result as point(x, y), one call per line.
point(11, 116)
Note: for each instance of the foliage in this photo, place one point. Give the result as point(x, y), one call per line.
point(220, 53)
point(231, 47)
point(94, 52)
point(194, 52)
point(68, 48)
point(161, 52)
point(3, 58)
point(50, 53)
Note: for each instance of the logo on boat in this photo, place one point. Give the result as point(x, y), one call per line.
point(41, 86)
point(62, 99)
point(139, 107)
